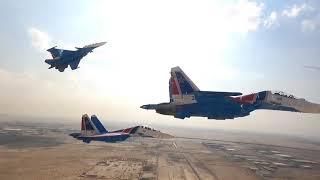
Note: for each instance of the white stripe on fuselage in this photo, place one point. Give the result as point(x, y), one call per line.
point(184, 99)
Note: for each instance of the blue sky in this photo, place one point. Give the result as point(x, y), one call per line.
point(245, 46)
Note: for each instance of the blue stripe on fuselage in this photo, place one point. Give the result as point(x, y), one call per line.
point(213, 106)
point(115, 138)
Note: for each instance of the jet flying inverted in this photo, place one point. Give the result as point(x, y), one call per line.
point(187, 100)
point(62, 58)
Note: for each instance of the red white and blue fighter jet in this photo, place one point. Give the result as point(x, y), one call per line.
point(93, 130)
point(187, 100)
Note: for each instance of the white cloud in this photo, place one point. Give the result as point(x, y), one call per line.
point(308, 25)
point(39, 39)
point(272, 20)
point(296, 10)
point(244, 16)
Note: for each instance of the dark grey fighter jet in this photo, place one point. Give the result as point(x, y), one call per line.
point(62, 58)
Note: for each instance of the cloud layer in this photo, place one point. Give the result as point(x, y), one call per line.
point(39, 39)
point(296, 10)
point(244, 16)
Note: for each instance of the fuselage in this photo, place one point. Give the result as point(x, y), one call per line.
point(107, 137)
point(228, 107)
point(68, 58)
point(213, 107)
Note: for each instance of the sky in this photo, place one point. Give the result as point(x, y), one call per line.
point(239, 45)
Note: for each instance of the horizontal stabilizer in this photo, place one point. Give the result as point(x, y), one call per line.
point(49, 61)
point(216, 93)
point(51, 48)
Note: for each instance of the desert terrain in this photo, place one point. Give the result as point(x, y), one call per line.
point(47, 152)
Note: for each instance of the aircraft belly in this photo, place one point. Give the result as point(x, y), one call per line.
point(66, 60)
point(212, 110)
point(111, 138)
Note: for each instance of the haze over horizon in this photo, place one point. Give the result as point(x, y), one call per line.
point(238, 45)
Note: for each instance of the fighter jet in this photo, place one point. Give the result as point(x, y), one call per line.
point(62, 58)
point(187, 100)
point(93, 130)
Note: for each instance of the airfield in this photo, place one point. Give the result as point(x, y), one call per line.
point(46, 151)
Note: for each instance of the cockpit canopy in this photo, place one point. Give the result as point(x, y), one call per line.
point(283, 94)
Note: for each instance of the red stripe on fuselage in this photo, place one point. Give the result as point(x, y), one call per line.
point(128, 130)
point(247, 99)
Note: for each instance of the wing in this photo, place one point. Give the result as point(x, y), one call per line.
point(55, 52)
point(59, 52)
point(217, 93)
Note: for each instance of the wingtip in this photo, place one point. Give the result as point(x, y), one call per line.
point(51, 48)
point(176, 68)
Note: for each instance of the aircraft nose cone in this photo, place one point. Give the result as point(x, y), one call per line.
point(317, 108)
point(309, 107)
point(100, 44)
point(95, 45)
point(143, 107)
point(149, 106)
